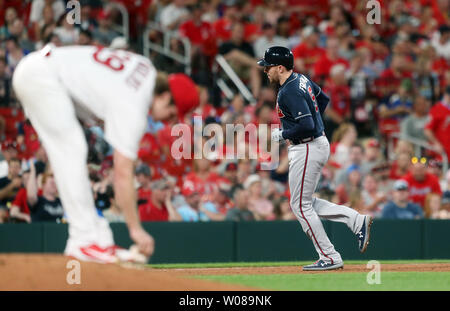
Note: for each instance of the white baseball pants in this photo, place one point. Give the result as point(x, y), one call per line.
point(306, 162)
point(52, 113)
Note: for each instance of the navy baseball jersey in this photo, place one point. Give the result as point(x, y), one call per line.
point(299, 101)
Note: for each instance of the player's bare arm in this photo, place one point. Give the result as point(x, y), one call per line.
point(126, 199)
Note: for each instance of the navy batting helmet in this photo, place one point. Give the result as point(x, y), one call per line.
point(277, 55)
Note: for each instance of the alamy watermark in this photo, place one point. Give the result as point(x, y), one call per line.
point(374, 15)
point(74, 275)
point(73, 16)
point(374, 276)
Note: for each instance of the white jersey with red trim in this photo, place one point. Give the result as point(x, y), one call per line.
point(96, 77)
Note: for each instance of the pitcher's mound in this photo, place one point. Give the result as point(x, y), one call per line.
point(20, 272)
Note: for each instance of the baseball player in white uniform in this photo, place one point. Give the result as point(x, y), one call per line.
point(300, 103)
point(56, 85)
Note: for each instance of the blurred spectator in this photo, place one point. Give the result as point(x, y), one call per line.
point(373, 199)
point(395, 109)
point(400, 207)
point(274, 10)
point(426, 81)
point(331, 57)
point(66, 31)
point(104, 34)
point(45, 207)
point(373, 158)
point(349, 193)
point(203, 178)
point(222, 202)
point(48, 21)
point(435, 168)
point(199, 32)
point(413, 126)
point(19, 211)
point(360, 79)
point(267, 39)
point(85, 37)
point(404, 146)
point(308, 52)
point(338, 111)
point(283, 26)
point(194, 209)
point(9, 186)
point(174, 14)
point(260, 207)
point(447, 181)
point(433, 207)
point(438, 127)
point(421, 183)
point(10, 17)
point(240, 211)
point(401, 166)
point(444, 212)
point(356, 163)
point(88, 23)
point(159, 207)
point(240, 54)
point(14, 53)
point(37, 12)
point(8, 152)
point(282, 210)
point(441, 41)
point(144, 179)
point(112, 211)
point(103, 190)
point(18, 30)
point(222, 27)
point(231, 175)
point(391, 78)
point(342, 140)
point(5, 84)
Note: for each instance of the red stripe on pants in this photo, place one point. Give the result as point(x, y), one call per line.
point(301, 210)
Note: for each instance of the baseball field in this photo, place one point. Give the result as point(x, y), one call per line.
point(50, 272)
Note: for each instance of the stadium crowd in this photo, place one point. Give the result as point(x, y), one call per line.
point(389, 85)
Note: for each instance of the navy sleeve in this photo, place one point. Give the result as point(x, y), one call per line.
point(322, 99)
point(301, 130)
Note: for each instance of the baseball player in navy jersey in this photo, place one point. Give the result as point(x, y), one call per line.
point(300, 104)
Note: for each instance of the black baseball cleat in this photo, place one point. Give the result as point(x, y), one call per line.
point(364, 234)
point(321, 265)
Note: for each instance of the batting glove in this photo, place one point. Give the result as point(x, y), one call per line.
point(277, 134)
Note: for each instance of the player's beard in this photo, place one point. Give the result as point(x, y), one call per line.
point(273, 79)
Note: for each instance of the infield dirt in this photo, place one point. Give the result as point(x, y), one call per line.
point(49, 272)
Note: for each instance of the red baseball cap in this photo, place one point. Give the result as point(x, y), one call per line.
point(184, 92)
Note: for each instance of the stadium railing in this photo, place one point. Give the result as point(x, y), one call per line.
point(124, 28)
point(221, 62)
point(165, 48)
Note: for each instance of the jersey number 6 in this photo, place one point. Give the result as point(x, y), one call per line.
point(110, 59)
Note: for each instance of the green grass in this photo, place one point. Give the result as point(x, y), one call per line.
point(390, 281)
point(347, 281)
point(281, 263)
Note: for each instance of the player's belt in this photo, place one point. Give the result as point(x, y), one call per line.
point(307, 139)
